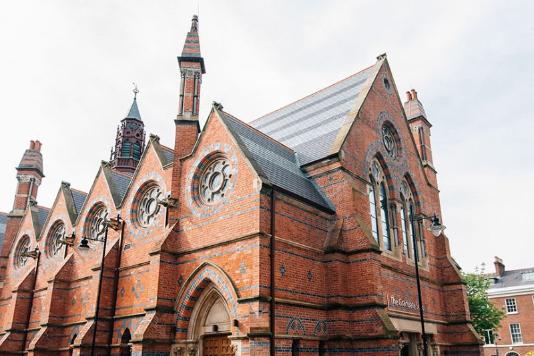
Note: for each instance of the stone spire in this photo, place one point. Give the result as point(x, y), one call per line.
point(130, 140)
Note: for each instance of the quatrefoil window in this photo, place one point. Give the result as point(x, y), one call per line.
point(214, 181)
point(148, 205)
point(57, 233)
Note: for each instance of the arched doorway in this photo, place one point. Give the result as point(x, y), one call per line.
point(125, 348)
point(211, 324)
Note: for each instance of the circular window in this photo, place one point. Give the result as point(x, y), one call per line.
point(56, 234)
point(96, 223)
point(214, 179)
point(389, 137)
point(23, 247)
point(148, 207)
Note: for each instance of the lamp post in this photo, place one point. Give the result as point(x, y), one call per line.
point(114, 224)
point(436, 228)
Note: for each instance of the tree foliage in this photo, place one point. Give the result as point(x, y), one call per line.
point(484, 314)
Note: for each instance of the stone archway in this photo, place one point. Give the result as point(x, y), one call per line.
point(206, 313)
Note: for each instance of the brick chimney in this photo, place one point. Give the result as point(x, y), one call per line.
point(29, 177)
point(186, 123)
point(420, 129)
point(499, 267)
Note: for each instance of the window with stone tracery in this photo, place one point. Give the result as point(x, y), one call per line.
point(95, 225)
point(214, 181)
point(379, 207)
point(55, 236)
point(410, 224)
point(23, 247)
point(148, 206)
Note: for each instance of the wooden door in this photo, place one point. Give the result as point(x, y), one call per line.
point(217, 346)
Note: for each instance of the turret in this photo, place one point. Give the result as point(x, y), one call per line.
point(130, 140)
point(420, 128)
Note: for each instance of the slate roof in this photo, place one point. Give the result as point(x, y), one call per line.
point(513, 278)
point(134, 111)
point(78, 197)
point(3, 221)
point(118, 184)
point(39, 216)
point(167, 155)
point(274, 162)
point(312, 125)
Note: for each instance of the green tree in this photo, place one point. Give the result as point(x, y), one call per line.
point(484, 314)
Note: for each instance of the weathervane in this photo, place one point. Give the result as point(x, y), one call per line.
point(135, 90)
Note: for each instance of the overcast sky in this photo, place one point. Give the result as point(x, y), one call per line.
point(66, 69)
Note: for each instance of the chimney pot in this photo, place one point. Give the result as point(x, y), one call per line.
point(414, 94)
point(408, 96)
point(32, 145)
point(38, 145)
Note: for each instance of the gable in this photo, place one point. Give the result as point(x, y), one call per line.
point(315, 126)
point(100, 192)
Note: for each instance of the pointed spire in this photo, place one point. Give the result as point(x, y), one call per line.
point(191, 50)
point(134, 110)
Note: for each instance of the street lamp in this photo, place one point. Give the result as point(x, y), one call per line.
point(437, 229)
point(114, 224)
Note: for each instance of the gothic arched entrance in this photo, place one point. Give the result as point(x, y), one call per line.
point(206, 313)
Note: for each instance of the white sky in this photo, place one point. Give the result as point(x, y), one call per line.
point(66, 69)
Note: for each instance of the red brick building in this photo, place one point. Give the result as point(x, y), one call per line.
point(513, 291)
point(288, 235)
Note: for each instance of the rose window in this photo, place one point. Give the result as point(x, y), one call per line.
point(96, 226)
point(389, 138)
point(21, 257)
point(214, 181)
point(54, 240)
point(149, 206)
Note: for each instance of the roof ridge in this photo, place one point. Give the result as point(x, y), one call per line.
point(78, 190)
point(259, 132)
point(315, 92)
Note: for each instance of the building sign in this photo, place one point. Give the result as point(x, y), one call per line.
point(402, 304)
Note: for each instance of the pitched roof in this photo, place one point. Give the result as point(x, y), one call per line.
point(118, 185)
point(78, 197)
point(3, 221)
point(313, 126)
point(274, 162)
point(134, 111)
point(39, 216)
point(513, 278)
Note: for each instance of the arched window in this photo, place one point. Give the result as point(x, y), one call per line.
point(409, 224)
point(125, 349)
point(379, 207)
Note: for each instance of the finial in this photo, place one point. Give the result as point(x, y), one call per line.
point(135, 90)
point(194, 24)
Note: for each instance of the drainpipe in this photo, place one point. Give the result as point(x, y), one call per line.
point(272, 317)
point(30, 307)
point(116, 284)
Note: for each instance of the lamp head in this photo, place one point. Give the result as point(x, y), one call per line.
point(436, 227)
point(84, 243)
